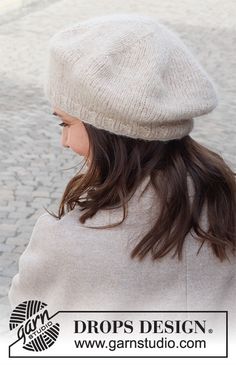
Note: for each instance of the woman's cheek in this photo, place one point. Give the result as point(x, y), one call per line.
point(77, 143)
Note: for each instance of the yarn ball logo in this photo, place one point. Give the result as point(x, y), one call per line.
point(36, 329)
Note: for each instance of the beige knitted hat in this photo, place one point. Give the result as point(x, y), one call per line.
point(128, 74)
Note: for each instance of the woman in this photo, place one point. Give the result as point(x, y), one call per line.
point(151, 224)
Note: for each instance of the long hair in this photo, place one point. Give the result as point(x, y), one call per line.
point(118, 165)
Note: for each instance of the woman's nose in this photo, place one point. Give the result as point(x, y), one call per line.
point(65, 145)
point(63, 142)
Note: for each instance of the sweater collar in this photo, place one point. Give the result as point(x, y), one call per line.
point(114, 215)
point(141, 207)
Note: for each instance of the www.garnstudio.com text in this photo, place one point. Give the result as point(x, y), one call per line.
point(161, 343)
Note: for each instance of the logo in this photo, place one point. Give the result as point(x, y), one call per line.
point(34, 326)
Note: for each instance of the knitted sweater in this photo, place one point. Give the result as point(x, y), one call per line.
point(70, 266)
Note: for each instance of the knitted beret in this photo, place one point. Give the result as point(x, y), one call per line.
point(128, 74)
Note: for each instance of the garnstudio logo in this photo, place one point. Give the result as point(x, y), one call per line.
point(34, 325)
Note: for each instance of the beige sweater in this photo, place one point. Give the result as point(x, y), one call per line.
point(72, 267)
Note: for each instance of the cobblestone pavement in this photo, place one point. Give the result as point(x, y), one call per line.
point(34, 166)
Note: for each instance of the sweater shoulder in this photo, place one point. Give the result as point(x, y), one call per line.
point(68, 222)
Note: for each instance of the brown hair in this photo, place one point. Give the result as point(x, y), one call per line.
point(119, 164)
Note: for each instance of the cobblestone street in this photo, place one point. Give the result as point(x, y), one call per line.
point(35, 168)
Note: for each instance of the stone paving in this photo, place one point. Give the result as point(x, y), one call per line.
point(34, 166)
